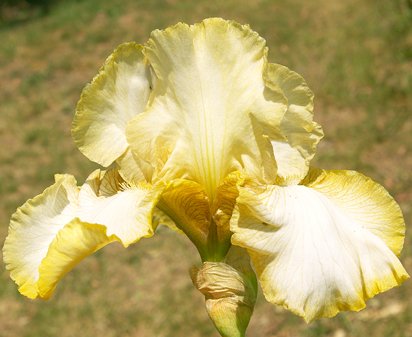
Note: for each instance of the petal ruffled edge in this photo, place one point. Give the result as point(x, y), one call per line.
point(341, 186)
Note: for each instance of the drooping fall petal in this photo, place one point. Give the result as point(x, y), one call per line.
point(75, 241)
point(54, 231)
point(33, 228)
point(322, 247)
point(186, 203)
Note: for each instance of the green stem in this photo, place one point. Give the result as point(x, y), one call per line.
point(216, 250)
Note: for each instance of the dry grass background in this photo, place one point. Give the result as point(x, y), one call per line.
point(355, 55)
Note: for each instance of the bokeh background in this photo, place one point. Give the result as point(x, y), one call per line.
point(355, 55)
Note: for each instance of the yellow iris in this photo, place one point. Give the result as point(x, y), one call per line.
point(200, 132)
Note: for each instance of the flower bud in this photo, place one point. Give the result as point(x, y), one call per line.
point(230, 295)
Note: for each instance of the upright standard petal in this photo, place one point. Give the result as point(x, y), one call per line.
point(203, 121)
point(51, 233)
point(324, 247)
point(294, 143)
point(118, 93)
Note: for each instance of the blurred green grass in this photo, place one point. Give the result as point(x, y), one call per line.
point(356, 57)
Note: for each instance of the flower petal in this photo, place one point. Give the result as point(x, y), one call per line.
point(73, 243)
point(33, 228)
point(118, 93)
point(200, 124)
point(372, 198)
point(47, 239)
point(186, 203)
point(162, 219)
point(125, 211)
point(295, 143)
point(325, 247)
point(129, 169)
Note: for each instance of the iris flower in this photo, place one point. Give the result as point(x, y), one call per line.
point(196, 130)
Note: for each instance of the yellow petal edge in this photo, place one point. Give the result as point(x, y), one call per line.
point(384, 217)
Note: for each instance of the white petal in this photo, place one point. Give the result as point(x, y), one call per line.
point(125, 211)
point(46, 238)
point(33, 228)
point(313, 256)
point(201, 123)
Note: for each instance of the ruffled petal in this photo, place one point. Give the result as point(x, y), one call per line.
point(203, 121)
point(33, 228)
point(73, 243)
point(294, 143)
point(54, 231)
point(325, 247)
point(118, 93)
point(340, 186)
point(126, 211)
